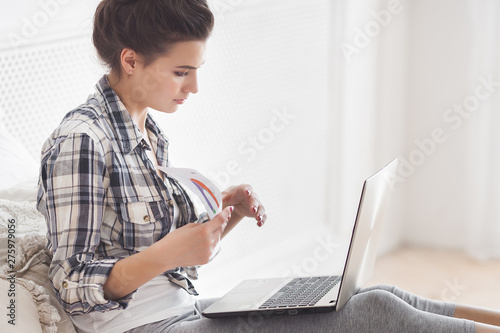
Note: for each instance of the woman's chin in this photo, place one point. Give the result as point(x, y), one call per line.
point(172, 108)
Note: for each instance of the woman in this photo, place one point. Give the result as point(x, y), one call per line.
point(120, 231)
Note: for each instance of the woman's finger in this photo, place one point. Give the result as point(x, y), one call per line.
point(220, 220)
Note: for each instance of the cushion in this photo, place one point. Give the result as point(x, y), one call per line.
point(25, 313)
point(32, 262)
point(16, 165)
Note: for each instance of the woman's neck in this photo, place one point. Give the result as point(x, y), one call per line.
point(123, 88)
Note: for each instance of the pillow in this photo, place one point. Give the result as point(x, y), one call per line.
point(31, 264)
point(25, 312)
point(16, 165)
point(23, 191)
point(27, 219)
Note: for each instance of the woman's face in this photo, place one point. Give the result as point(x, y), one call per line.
point(167, 82)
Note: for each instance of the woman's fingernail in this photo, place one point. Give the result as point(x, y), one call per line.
point(249, 192)
point(254, 209)
point(259, 224)
point(259, 217)
point(231, 208)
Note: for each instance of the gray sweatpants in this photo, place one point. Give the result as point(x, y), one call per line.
point(376, 309)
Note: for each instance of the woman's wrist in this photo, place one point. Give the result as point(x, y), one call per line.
point(160, 255)
point(235, 219)
point(132, 272)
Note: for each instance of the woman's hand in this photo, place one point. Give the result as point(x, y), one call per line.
point(194, 244)
point(245, 203)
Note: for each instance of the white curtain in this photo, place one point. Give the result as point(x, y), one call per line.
point(370, 91)
point(421, 80)
point(483, 146)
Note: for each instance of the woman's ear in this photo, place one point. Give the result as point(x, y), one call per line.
point(128, 59)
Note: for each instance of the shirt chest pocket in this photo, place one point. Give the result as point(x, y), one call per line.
point(143, 224)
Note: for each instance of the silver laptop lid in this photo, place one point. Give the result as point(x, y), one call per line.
point(366, 232)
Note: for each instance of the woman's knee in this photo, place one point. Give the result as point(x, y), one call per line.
point(380, 300)
point(385, 287)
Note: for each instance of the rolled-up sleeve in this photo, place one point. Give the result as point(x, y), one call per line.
point(73, 184)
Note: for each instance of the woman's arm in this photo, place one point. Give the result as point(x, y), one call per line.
point(73, 184)
point(190, 245)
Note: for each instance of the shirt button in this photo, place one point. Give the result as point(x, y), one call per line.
point(146, 218)
point(65, 284)
point(170, 203)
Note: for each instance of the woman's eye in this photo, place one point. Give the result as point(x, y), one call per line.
point(182, 74)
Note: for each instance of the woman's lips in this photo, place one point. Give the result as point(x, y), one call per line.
point(179, 101)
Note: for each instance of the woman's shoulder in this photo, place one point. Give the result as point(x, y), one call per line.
point(83, 118)
point(83, 121)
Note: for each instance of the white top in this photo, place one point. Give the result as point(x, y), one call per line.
point(156, 300)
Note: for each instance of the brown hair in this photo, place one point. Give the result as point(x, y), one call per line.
point(149, 27)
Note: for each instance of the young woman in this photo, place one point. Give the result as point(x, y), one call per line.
point(121, 232)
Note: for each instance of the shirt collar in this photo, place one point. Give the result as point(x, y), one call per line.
point(128, 135)
point(158, 140)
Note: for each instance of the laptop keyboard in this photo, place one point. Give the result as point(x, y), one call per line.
point(301, 292)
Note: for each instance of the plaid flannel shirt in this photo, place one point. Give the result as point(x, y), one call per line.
point(103, 199)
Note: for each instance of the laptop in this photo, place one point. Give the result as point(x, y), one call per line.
point(297, 295)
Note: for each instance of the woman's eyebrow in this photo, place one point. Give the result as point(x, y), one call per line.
point(189, 67)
